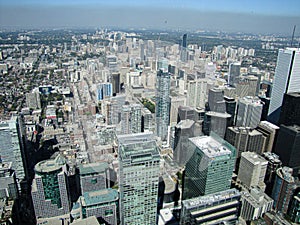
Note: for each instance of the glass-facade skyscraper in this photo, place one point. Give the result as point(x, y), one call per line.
point(50, 192)
point(162, 101)
point(210, 168)
point(139, 161)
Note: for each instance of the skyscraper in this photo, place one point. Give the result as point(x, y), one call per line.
point(245, 139)
point(183, 53)
point(248, 112)
point(234, 73)
point(288, 145)
point(94, 176)
point(197, 93)
point(139, 161)
point(162, 104)
point(252, 170)
point(131, 119)
point(216, 102)
point(290, 111)
point(286, 80)
point(284, 187)
point(49, 191)
point(12, 146)
point(183, 131)
point(269, 131)
point(209, 170)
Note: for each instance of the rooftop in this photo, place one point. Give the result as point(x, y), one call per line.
point(211, 146)
point(92, 220)
point(50, 165)
point(99, 197)
point(254, 158)
point(269, 125)
point(131, 145)
point(92, 168)
point(211, 198)
point(184, 124)
point(218, 114)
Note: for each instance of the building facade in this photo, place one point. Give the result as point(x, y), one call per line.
point(286, 80)
point(139, 161)
point(218, 208)
point(162, 104)
point(50, 192)
point(209, 170)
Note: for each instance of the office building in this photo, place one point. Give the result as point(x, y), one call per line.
point(183, 131)
point(234, 73)
point(12, 145)
point(175, 102)
point(102, 203)
point(104, 90)
point(209, 170)
point(255, 203)
point(294, 209)
point(249, 111)
point(186, 112)
point(147, 122)
point(116, 84)
point(183, 53)
point(216, 122)
point(162, 104)
point(286, 80)
point(131, 119)
point(219, 208)
point(230, 104)
point(274, 164)
point(216, 102)
point(290, 110)
point(139, 162)
point(246, 86)
point(269, 131)
point(284, 188)
point(288, 145)
point(197, 93)
point(94, 176)
point(8, 183)
point(49, 188)
point(252, 170)
point(245, 139)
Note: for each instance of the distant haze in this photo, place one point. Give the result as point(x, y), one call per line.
point(179, 15)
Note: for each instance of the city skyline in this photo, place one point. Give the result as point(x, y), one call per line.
point(250, 17)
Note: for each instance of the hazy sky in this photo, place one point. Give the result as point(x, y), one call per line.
point(262, 16)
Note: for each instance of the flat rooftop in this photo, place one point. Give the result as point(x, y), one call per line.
point(92, 168)
point(137, 144)
point(99, 197)
point(254, 158)
point(210, 146)
point(211, 198)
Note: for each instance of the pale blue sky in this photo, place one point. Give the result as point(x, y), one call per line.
point(269, 16)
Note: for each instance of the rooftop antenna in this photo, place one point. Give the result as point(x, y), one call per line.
point(293, 35)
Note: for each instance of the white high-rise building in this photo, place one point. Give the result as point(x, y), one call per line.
point(252, 170)
point(249, 112)
point(286, 80)
point(139, 161)
point(197, 93)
